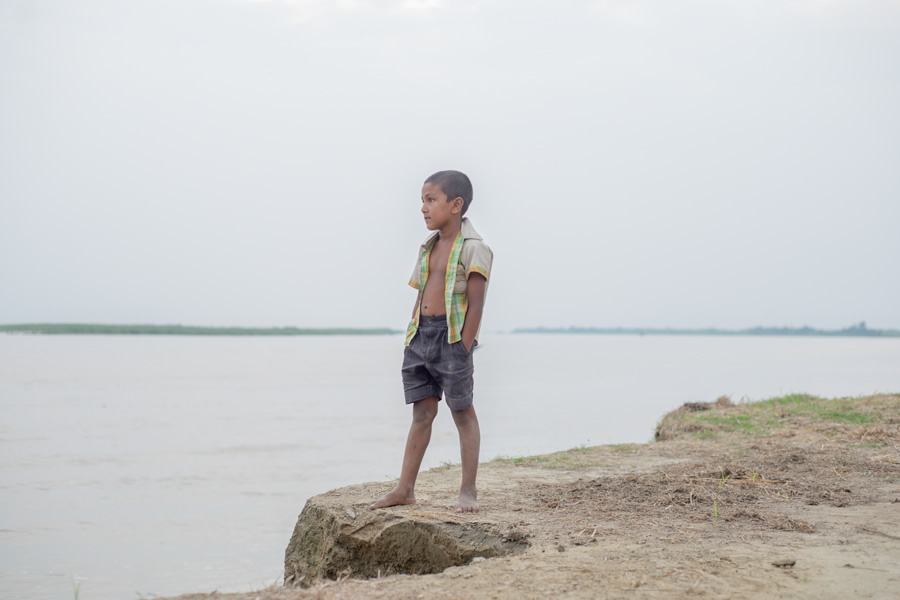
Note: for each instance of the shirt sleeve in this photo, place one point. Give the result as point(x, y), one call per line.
point(476, 257)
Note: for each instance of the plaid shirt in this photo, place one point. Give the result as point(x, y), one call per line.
point(469, 254)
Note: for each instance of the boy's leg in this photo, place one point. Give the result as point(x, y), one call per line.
point(424, 412)
point(469, 446)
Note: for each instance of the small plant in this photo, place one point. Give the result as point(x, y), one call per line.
point(722, 483)
point(724, 480)
point(76, 588)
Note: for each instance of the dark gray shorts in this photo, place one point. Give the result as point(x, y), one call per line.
point(434, 367)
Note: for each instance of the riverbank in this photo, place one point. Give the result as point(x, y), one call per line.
point(795, 497)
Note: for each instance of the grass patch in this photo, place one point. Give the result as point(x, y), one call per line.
point(767, 417)
point(622, 447)
point(566, 459)
point(579, 448)
point(729, 422)
point(838, 410)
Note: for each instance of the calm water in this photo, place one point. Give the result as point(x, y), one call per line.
point(165, 465)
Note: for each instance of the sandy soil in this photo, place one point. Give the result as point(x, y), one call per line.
point(808, 510)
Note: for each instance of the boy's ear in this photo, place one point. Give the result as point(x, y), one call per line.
point(457, 204)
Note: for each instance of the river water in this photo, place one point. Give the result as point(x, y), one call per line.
point(158, 465)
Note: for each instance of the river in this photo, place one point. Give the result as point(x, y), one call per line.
point(159, 465)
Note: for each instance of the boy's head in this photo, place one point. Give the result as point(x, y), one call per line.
point(455, 185)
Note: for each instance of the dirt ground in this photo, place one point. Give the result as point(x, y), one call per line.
point(798, 505)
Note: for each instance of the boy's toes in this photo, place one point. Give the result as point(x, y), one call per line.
point(394, 498)
point(467, 504)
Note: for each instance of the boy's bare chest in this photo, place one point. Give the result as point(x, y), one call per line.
point(437, 263)
point(433, 295)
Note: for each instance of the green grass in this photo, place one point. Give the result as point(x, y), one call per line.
point(840, 410)
point(765, 417)
point(729, 422)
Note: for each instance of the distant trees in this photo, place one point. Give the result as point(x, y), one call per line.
point(100, 329)
point(857, 330)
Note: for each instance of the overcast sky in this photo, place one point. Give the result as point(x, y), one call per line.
point(635, 163)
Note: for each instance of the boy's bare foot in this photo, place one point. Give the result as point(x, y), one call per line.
point(394, 498)
point(468, 503)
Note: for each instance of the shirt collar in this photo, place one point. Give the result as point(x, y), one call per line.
point(468, 233)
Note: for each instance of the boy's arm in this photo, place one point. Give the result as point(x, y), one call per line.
point(475, 290)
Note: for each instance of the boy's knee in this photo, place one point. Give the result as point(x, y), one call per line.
point(424, 411)
point(464, 416)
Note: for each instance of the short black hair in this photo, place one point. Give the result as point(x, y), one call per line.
point(454, 184)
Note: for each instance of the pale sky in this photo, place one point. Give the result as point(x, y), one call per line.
point(635, 163)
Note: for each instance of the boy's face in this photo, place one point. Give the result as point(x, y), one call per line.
point(437, 211)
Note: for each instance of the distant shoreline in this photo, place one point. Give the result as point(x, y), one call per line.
point(100, 329)
point(859, 330)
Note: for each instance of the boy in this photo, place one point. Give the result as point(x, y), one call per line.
point(451, 275)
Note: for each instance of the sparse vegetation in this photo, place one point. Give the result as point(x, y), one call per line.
point(724, 418)
point(623, 447)
point(566, 459)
